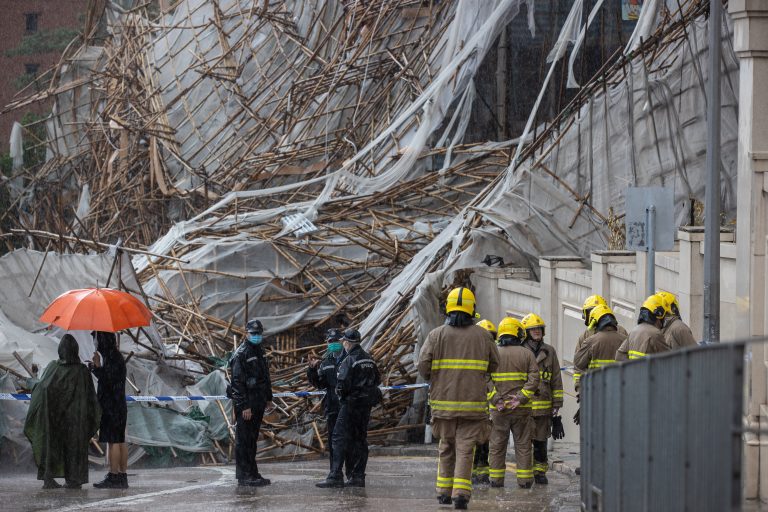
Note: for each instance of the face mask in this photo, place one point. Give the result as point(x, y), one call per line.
point(254, 339)
point(334, 347)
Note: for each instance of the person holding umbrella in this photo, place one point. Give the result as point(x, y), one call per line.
point(104, 311)
point(109, 368)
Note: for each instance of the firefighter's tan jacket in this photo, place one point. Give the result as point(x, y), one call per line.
point(457, 362)
point(586, 334)
point(550, 392)
point(677, 334)
point(644, 340)
point(598, 350)
point(517, 376)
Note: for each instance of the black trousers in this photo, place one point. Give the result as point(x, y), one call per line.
point(246, 436)
point(481, 455)
point(350, 441)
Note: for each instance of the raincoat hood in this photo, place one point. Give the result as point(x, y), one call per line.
point(69, 350)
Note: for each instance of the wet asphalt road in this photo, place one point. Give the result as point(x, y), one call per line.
point(394, 484)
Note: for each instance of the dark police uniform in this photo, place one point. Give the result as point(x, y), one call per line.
point(251, 388)
point(324, 377)
point(357, 384)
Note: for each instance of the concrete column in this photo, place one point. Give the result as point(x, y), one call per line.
point(690, 279)
point(550, 300)
point(750, 41)
point(601, 261)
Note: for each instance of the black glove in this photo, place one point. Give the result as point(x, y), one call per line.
point(558, 432)
point(577, 416)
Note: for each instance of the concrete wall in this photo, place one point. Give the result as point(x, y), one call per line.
point(619, 277)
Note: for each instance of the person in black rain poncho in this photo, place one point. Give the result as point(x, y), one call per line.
point(251, 391)
point(109, 368)
point(63, 417)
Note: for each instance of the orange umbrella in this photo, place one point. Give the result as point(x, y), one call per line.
point(96, 309)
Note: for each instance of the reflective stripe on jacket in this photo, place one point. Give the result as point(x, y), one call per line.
point(516, 376)
point(586, 334)
point(456, 361)
point(645, 339)
point(598, 350)
point(550, 392)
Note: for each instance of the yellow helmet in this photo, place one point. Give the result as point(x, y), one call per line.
point(599, 312)
point(655, 305)
point(487, 325)
point(531, 321)
point(512, 327)
point(461, 299)
point(671, 306)
point(589, 304)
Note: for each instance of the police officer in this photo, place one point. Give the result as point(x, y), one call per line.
point(357, 387)
point(322, 375)
point(251, 391)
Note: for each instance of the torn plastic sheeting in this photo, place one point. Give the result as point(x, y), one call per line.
point(213, 384)
point(407, 279)
point(156, 426)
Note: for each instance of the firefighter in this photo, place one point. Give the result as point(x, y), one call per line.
point(456, 359)
point(646, 338)
point(480, 463)
point(357, 386)
point(589, 304)
point(322, 375)
point(515, 382)
point(251, 391)
point(676, 333)
point(600, 349)
point(548, 399)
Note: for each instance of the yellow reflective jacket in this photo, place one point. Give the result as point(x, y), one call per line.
point(677, 334)
point(457, 361)
point(586, 334)
point(644, 340)
point(516, 376)
point(550, 392)
point(598, 350)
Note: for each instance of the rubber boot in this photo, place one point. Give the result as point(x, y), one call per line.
point(460, 502)
point(444, 499)
point(541, 479)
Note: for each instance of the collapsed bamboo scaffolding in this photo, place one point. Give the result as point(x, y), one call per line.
point(145, 171)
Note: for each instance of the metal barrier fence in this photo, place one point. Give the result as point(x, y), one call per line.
point(664, 433)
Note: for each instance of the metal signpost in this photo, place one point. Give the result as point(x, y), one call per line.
point(650, 225)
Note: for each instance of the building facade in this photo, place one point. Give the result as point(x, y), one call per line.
point(29, 29)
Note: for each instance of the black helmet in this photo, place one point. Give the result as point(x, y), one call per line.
point(254, 327)
point(352, 336)
point(332, 335)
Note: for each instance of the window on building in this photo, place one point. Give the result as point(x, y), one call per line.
point(31, 69)
point(30, 22)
